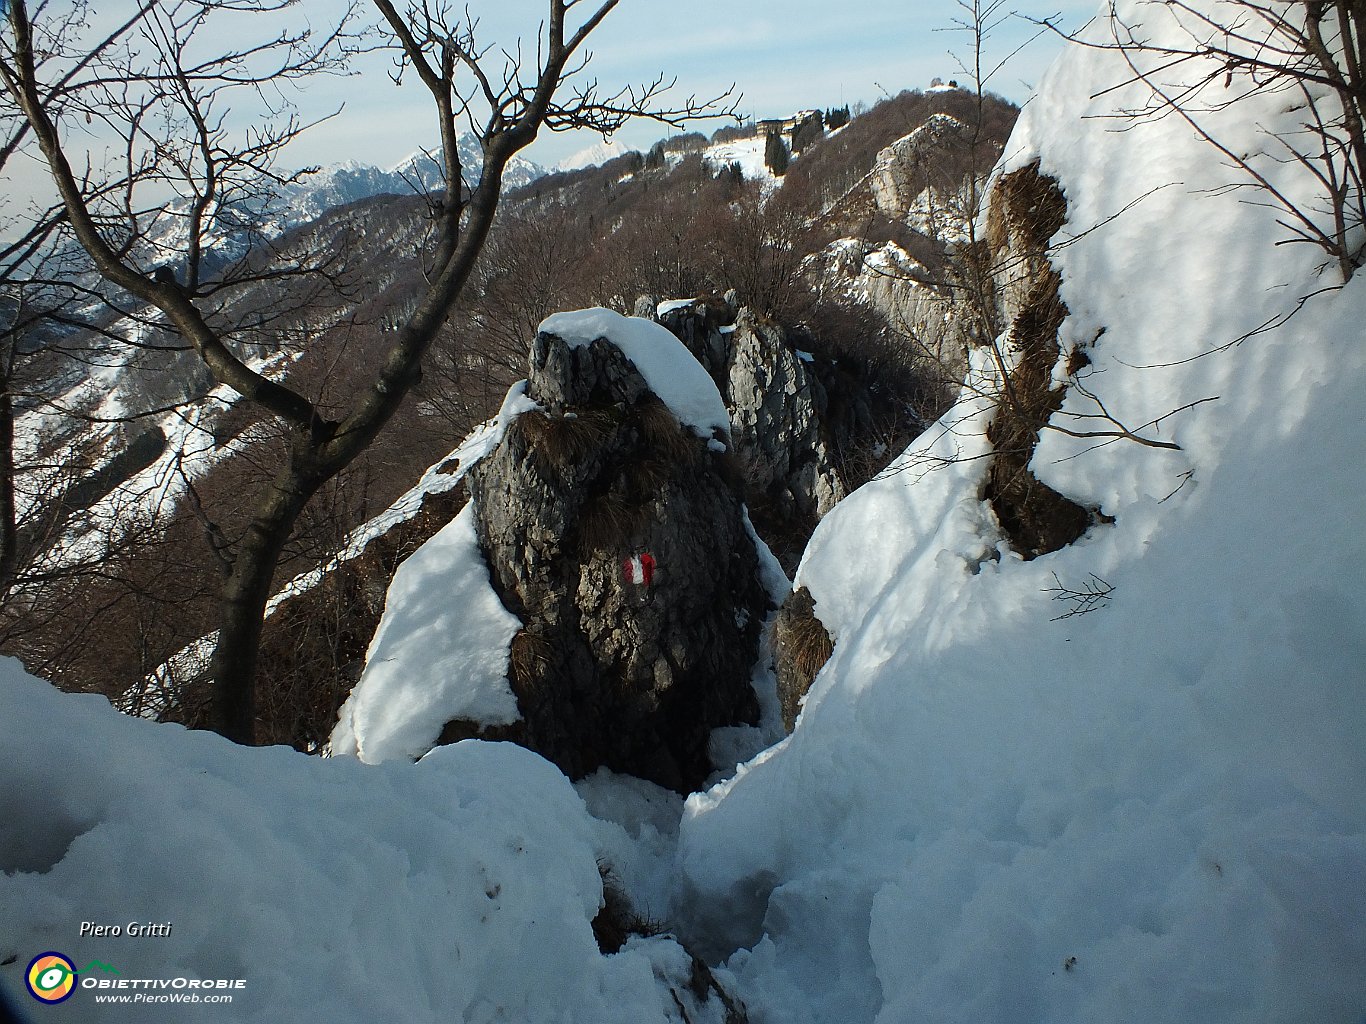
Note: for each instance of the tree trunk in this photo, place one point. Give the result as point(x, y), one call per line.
point(9, 531)
point(243, 605)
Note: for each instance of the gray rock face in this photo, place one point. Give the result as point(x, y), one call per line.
point(778, 411)
point(617, 537)
point(779, 407)
point(699, 326)
point(907, 167)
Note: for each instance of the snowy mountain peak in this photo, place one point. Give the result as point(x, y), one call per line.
point(351, 181)
point(594, 155)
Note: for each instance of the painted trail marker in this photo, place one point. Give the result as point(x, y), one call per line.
point(639, 569)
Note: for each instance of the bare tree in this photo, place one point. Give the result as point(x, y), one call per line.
point(168, 106)
point(1311, 53)
point(40, 291)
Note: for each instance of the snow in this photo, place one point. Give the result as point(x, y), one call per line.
point(459, 888)
point(670, 370)
point(748, 153)
point(732, 746)
point(892, 260)
point(669, 305)
point(1169, 789)
point(191, 450)
point(440, 653)
point(595, 155)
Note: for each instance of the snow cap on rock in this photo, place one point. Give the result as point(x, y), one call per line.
point(669, 369)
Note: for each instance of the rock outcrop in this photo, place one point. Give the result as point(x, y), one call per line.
point(779, 412)
point(790, 411)
point(919, 163)
point(617, 535)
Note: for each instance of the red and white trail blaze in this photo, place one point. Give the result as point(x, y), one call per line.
point(639, 569)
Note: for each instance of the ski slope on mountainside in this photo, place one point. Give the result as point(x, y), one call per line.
point(988, 813)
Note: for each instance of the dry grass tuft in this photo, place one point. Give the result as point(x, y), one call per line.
point(560, 442)
point(801, 646)
point(733, 470)
point(662, 432)
point(1027, 207)
point(608, 523)
point(647, 479)
point(529, 659)
point(1077, 360)
point(617, 920)
point(809, 645)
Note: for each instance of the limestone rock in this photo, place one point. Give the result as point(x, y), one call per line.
point(780, 408)
point(617, 537)
point(913, 163)
point(699, 326)
point(779, 411)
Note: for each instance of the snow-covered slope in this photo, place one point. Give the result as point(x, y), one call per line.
point(459, 889)
point(1155, 811)
point(1151, 812)
point(747, 152)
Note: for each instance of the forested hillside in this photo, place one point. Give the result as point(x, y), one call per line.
point(125, 520)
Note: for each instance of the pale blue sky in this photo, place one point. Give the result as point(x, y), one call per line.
point(783, 56)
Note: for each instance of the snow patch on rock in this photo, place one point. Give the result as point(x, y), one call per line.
point(440, 653)
point(669, 369)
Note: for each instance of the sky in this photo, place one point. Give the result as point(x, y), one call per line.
point(780, 56)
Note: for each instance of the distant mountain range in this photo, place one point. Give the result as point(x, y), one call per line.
point(598, 153)
point(236, 229)
point(350, 181)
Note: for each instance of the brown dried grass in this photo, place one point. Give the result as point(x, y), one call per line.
point(529, 658)
point(663, 434)
point(1026, 206)
point(608, 523)
point(802, 646)
point(561, 442)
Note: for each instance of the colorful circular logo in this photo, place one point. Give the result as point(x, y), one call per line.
point(51, 977)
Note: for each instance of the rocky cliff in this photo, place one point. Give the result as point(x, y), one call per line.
point(617, 535)
point(793, 414)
